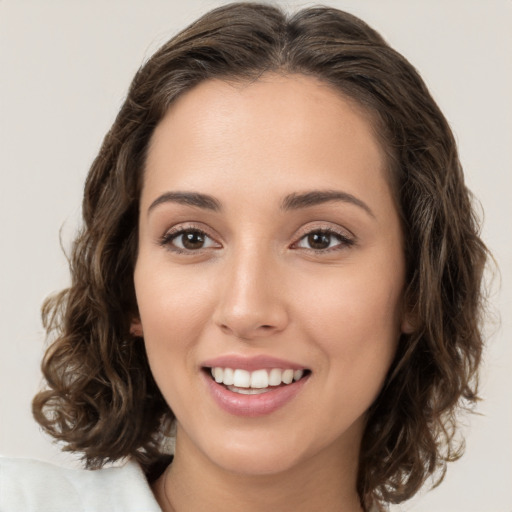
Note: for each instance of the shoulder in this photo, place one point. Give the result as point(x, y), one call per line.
point(30, 485)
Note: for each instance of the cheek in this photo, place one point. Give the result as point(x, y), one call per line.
point(352, 300)
point(354, 318)
point(173, 310)
point(171, 304)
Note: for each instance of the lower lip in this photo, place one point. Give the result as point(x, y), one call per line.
point(253, 405)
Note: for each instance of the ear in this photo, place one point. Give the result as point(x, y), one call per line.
point(136, 328)
point(407, 325)
point(409, 320)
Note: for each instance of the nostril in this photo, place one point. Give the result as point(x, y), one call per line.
point(246, 330)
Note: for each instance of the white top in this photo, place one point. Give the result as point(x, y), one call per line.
point(33, 486)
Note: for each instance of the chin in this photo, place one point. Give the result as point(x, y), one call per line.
point(257, 462)
point(253, 453)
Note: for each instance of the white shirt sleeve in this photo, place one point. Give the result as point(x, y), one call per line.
point(33, 486)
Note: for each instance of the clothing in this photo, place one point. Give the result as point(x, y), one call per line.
point(33, 486)
point(28, 485)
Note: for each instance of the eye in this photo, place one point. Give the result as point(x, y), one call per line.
point(188, 240)
point(324, 240)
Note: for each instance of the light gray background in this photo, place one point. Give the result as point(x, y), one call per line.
point(65, 67)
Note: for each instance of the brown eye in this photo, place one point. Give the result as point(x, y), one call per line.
point(188, 240)
point(319, 240)
point(324, 240)
point(192, 240)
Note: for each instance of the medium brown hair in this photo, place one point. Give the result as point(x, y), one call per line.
point(101, 399)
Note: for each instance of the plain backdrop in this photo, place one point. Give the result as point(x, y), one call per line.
point(65, 66)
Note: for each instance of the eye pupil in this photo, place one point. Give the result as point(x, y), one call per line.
point(319, 240)
point(193, 240)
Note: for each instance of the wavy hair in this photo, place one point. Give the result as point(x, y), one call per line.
point(101, 399)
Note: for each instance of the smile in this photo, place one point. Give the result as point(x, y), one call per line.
point(245, 382)
point(254, 391)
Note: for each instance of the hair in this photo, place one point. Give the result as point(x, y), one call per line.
point(101, 399)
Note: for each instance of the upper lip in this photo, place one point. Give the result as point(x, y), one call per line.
point(253, 363)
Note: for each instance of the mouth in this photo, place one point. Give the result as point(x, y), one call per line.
point(257, 382)
point(254, 386)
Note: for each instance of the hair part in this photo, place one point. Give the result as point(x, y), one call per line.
point(101, 399)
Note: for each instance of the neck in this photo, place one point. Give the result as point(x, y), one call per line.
point(195, 483)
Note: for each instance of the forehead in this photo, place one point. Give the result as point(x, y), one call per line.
point(289, 130)
point(292, 96)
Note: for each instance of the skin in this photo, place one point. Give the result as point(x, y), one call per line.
point(257, 287)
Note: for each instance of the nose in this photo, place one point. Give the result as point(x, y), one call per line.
point(252, 301)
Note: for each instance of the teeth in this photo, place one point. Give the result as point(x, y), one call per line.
point(252, 382)
point(259, 379)
point(229, 377)
point(287, 376)
point(246, 391)
point(274, 378)
point(218, 374)
point(241, 379)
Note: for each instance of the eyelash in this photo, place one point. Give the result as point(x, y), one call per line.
point(344, 240)
point(167, 239)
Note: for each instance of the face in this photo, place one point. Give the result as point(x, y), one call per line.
point(270, 250)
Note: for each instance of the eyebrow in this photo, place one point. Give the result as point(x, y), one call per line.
point(188, 198)
point(315, 197)
point(294, 201)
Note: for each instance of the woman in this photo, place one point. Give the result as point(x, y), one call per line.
point(280, 260)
